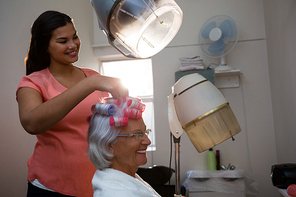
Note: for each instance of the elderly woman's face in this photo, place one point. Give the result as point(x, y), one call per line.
point(130, 153)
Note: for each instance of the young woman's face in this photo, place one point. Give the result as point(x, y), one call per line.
point(64, 45)
point(130, 153)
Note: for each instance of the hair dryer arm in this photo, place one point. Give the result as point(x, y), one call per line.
point(175, 126)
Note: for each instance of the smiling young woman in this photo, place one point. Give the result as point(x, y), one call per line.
point(54, 99)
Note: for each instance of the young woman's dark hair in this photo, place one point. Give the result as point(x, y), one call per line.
point(41, 32)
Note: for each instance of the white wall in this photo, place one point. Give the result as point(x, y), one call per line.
point(253, 102)
point(280, 33)
point(254, 149)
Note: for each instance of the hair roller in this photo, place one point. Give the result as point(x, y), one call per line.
point(103, 108)
point(132, 113)
point(118, 121)
point(136, 104)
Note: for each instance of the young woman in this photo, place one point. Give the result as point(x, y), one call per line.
point(54, 100)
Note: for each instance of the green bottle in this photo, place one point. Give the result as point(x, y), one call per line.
point(211, 160)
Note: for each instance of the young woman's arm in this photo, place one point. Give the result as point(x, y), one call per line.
point(37, 116)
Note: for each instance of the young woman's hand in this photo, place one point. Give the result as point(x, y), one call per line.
point(110, 84)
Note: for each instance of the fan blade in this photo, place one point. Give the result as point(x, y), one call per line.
point(228, 28)
point(217, 47)
point(206, 30)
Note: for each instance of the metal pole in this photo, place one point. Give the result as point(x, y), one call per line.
point(177, 167)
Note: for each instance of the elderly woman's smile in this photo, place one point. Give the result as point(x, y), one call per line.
point(142, 151)
point(117, 147)
point(130, 152)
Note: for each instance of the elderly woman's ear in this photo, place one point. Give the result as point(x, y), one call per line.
point(111, 149)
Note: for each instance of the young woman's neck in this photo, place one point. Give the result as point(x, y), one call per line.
point(61, 69)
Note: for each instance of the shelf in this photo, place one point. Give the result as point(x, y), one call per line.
point(227, 79)
point(227, 72)
point(221, 79)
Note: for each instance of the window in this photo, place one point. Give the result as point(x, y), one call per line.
point(136, 75)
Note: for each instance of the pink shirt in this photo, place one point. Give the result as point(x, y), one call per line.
point(59, 161)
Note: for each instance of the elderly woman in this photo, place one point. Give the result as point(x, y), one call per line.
point(118, 141)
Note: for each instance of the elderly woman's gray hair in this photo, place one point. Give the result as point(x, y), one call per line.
point(100, 136)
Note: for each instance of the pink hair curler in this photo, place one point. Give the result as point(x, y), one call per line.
point(132, 103)
point(118, 121)
point(132, 113)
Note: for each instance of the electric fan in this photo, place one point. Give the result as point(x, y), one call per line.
point(217, 38)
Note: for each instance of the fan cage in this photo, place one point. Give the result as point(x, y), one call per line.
point(229, 43)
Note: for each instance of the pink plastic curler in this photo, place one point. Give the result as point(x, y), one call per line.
point(88, 118)
point(132, 113)
point(118, 121)
point(136, 105)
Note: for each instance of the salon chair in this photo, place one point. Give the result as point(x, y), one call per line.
point(158, 177)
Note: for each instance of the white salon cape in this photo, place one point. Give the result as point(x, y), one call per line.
point(113, 183)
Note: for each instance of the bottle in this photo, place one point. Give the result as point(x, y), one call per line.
point(218, 159)
point(211, 160)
